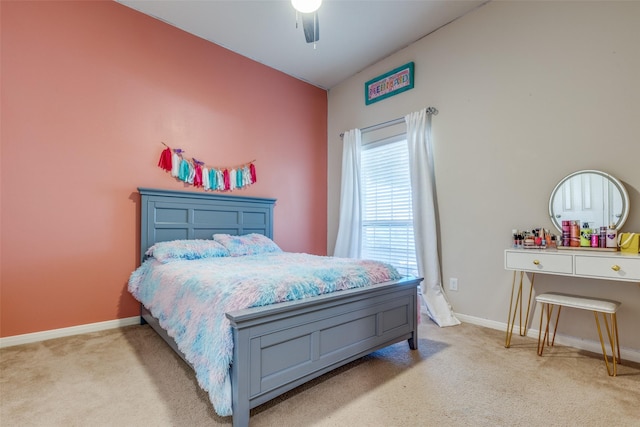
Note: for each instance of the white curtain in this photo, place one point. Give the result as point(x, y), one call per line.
point(348, 242)
point(424, 218)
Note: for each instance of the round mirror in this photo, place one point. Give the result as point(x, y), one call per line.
point(589, 196)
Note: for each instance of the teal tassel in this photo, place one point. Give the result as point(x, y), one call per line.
point(213, 179)
point(239, 178)
point(183, 173)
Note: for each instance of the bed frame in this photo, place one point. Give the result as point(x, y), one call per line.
point(281, 346)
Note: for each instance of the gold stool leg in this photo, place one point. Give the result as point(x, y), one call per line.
point(555, 328)
point(614, 342)
point(542, 340)
point(612, 334)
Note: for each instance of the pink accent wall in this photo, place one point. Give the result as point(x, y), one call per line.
point(89, 91)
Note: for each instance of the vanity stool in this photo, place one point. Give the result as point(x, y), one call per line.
point(597, 305)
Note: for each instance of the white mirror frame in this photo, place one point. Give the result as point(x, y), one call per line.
point(615, 183)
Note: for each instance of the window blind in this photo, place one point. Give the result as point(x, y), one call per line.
point(387, 226)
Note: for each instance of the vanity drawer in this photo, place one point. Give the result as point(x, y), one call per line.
point(539, 262)
point(615, 268)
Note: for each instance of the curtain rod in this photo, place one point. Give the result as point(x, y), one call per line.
point(430, 110)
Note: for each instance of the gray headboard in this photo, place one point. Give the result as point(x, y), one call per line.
point(171, 215)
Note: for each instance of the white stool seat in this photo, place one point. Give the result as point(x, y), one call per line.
point(577, 301)
point(598, 306)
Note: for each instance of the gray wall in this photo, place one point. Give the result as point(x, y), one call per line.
point(528, 92)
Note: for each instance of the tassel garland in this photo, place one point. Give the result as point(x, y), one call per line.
point(196, 173)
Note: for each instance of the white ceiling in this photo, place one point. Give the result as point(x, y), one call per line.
point(354, 34)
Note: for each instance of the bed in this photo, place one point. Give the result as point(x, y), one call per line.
point(280, 346)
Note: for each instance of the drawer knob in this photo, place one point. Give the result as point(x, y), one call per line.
point(615, 267)
point(536, 262)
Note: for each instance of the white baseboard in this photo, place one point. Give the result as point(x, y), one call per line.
point(65, 332)
point(579, 343)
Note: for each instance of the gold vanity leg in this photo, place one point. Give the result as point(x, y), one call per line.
point(523, 328)
point(614, 322)
point(512, 320)
point(516, 309)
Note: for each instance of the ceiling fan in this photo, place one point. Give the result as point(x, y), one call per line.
point(308, 11)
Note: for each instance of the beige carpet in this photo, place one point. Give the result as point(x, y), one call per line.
point(460, 376)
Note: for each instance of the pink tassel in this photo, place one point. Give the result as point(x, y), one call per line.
point(227, 182)
point(252, 171)
point(197, 179)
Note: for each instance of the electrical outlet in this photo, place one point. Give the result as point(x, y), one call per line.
point(453, 284)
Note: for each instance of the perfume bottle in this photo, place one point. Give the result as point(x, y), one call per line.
point(575, 234)
point(612, 237)
point(566, 233)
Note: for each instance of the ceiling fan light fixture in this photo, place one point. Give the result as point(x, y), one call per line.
point(306, 6)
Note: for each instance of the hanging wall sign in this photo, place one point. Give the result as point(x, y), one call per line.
point(392, 83)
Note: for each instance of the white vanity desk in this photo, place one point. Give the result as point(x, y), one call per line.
point(607, 265)
point(590, 196)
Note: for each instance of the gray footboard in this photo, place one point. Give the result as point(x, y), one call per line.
point(277, 348)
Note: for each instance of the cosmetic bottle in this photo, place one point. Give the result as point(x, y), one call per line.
point(539, 236)
point(566, 233)
point(602, 240)
point(585, 235)
point(575, 234)
point(612, 237)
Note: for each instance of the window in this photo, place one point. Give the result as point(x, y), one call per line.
point(387, 220)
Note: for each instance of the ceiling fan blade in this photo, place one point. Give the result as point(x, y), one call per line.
point(311, 27)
